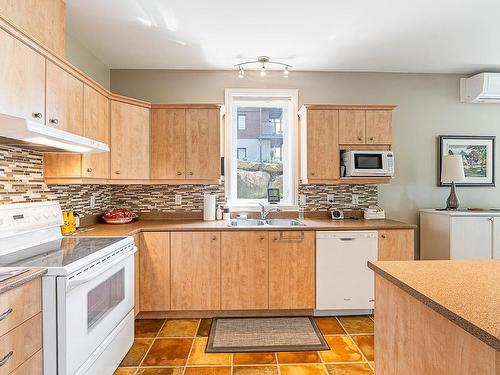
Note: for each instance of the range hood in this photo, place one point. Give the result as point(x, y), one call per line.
point(17, 131)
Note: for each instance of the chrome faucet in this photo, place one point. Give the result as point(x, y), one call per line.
point(265, 211)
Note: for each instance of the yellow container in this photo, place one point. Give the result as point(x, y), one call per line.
point(71, 222)
point(65, 226)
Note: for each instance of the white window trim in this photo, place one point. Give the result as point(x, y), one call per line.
point(294, 143)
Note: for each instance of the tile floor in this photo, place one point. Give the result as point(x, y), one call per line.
point(177, 347)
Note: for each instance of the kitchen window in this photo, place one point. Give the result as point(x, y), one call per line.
point(261, 146)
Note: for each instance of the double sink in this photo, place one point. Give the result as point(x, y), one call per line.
point(267, 222)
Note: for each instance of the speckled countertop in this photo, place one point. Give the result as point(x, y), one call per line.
point(467, 292)
point(219, 225)
point(14, 282)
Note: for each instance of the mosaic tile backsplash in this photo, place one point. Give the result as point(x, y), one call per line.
point(21, 180)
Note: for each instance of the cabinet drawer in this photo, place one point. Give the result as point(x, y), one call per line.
point(17, 346)
point(19, 304)
point(32, 366)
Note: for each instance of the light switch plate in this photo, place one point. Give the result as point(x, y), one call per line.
point(330, 198)
point(92, 201)
point(355, 199)
point(178, 199)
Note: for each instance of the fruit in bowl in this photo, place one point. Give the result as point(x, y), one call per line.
point(118, 216)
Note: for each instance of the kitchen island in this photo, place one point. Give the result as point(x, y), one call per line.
point(437, 317)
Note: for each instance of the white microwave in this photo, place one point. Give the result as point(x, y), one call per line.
point(368, 163)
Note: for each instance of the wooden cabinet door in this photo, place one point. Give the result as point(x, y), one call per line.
point(155, 271)
point(202, 144)
point(379, 127)
point(64, 95)
point(44, 20)
point(129, 141)
point(396, 244)
point(244, 270)
point(195, 270)
point(137, 275)
point(168, 144)
point(323, 145)
point(95, 126)
point(22, 80)
point(291, 270)
point(351, 127)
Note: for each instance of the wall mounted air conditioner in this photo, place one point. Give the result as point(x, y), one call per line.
point(481, 88)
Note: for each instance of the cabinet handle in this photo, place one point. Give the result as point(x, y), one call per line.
point(382, 235)
point(54, 121)
point(347, 299)
point(371, 300)
point(191, 173)
point(285, 237)
point(117, 172)
point(6, 358)
point(371, 138)
point(313, 173)
point(491, 219)
point(37, 115)
point(360, 139)
point(178, 173)
point(214, 238)
point(5, 314)
point(262, 238)
point(89, 170)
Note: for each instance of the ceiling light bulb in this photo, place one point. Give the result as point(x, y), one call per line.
point(263, 70)
point(285, 72)
point(241, 73)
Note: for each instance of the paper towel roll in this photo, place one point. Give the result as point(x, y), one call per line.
point(209, 207)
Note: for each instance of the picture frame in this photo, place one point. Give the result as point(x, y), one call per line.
point(478, 154)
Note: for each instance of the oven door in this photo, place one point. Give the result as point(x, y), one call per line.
point(90, 306)
point(368, 164)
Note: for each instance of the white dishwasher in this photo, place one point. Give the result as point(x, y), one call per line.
point(344, 283)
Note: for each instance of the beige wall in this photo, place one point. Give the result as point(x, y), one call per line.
point(428, 105)
point(83, 59)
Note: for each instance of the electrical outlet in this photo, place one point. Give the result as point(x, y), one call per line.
point(330, 198)
point(92, 201)
point(302, 199)
point(178, 199)
point(355, 199)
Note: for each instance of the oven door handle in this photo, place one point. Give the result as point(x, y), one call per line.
point(73, 283)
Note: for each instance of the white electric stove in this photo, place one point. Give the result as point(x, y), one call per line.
point(87, 293)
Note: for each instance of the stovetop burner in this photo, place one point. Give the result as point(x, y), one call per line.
point(58, 253)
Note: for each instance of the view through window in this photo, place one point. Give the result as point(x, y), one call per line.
point(261, 148)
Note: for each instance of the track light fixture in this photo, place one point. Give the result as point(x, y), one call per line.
point(263, 60)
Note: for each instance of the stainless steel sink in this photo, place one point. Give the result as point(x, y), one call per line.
point(246, 223)
point(285, 223)
point(269, 222)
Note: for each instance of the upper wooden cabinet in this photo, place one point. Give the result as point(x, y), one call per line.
point(352, 124)
point(195, 274)
point(168, 143)
point(22, 79)
point(185, 143)
point(327, 129)
point(245, 270)
point(129, 141)
point(95, 126)
point(291, 270)
point(379, 127)
point(319, 145)
point(64, 100)
point(43, 20)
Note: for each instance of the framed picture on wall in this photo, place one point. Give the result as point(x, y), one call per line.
point(478, 156)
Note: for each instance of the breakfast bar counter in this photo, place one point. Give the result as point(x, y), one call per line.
point(437, 317)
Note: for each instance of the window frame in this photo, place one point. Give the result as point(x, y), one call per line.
point(230, 154)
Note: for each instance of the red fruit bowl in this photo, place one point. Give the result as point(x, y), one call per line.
point(119, 216)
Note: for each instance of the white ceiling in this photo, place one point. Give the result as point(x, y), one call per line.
point(450, 36)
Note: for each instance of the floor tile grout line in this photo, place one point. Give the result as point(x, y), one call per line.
point(192, 345)
point(151, 345)
point(357, 346)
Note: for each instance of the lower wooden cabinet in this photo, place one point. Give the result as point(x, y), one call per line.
point(195, 275)
point(244, 270)
point(291, 270)
point(396, 244)
point(155, 271)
